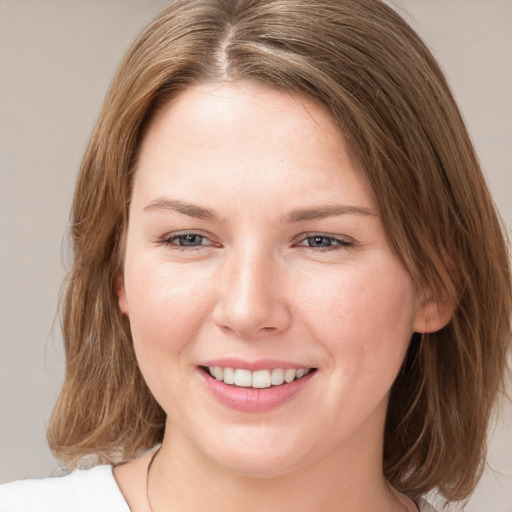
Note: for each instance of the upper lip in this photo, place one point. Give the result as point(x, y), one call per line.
point(260, 364)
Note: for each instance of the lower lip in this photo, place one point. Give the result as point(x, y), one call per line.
point(254, 400)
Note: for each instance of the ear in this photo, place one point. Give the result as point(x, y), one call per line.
point(121, 293)
point(435, 310)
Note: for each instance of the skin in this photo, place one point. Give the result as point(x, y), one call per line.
point(260, 285)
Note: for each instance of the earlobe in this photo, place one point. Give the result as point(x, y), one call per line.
point(434, 312)
point(121, 293)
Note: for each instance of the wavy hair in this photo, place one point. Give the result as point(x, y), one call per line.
point(360, 61)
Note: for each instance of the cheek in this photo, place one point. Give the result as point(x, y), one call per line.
point(167, 306)
point(364, 316)
point(167, 310)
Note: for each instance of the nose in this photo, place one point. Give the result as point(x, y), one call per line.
point(251, 301)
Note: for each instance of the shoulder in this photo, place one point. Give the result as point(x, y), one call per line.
point(93, 490)
point(425, 506)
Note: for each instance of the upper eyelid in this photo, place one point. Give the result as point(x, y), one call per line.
point(177, 234)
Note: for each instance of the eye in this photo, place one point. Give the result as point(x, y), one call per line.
point(189, 240)
point(320, 241)
point(324, 242)
point(185, 240)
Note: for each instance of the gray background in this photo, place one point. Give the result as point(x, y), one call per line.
point(57, 58)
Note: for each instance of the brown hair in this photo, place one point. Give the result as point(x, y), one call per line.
point(368, 68)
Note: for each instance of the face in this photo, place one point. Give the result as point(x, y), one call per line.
point(255, 248)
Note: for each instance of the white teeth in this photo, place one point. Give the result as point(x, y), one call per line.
point(289, 375)
point(258, 379)
point(229, 375)
point(277, 377)
point(243, 378)
point(261, 379)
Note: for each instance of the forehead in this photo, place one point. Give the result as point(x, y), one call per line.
point(214, 106)
point(246, 136)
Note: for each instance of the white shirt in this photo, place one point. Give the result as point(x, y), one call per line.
point(93, 490)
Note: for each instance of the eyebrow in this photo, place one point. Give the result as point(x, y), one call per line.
point(328, 211)
point(191, 210)
point(301, 215)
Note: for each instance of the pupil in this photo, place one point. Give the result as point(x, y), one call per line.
point(318, 241)
point(190, 240)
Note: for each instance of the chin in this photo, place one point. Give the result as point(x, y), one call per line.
point(256, 467)
point(257, 456)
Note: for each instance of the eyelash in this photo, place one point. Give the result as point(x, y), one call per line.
point(335, 243)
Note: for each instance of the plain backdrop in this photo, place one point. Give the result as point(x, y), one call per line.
point(57, 58)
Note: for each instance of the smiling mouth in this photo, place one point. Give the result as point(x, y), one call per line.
point(258, 379)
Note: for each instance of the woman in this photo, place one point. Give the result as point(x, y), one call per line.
point(290, 286)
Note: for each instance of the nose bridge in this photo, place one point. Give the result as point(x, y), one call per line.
point(249, 299)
